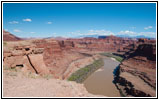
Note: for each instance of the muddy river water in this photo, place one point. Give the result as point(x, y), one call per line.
point(101, 81)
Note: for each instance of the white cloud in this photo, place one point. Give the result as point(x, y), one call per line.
point(127, 32)
point(92, 32)
point(99, 32)
point(32, 32)
point(27, 20)
point(16, 30)
point(13, 22)
point(149, 27)
point(133, 34)
point(49, 22)
point(148, 34)
point(107, 33)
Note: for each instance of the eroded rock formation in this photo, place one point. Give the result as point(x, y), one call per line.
point(27, 56)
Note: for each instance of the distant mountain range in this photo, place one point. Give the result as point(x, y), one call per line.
point(123, 36)
point(82, 36)
point(139, 36)
point(10, 37)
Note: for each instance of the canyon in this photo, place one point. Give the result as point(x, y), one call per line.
point(136, 74)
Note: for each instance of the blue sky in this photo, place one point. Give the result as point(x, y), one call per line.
point(78, 19)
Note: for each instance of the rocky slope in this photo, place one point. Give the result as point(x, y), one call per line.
point(137, 73)
point(9, 37)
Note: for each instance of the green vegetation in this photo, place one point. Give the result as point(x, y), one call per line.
point(118, 58)
point(4, 43)
point(80, 75)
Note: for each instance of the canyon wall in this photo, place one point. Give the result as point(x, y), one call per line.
point(109, 44)
point(137, 73)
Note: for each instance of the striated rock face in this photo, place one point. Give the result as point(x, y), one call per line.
point(67, 44)
point(146, 50)
point(57, 55)
point(9, 37)
point(58, 60)
point(110, 43)
point(137, 73)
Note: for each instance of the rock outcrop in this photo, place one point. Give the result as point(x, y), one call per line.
point(137, 73)
point(25, 56)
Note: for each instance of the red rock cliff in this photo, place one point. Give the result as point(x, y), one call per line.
point(137, 73)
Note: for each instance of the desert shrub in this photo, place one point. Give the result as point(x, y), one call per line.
point(80, 75)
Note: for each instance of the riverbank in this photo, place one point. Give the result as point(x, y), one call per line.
point(112, 55)
point(98, 77)
point(80, 75)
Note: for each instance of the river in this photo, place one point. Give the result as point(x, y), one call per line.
point(100, 82)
